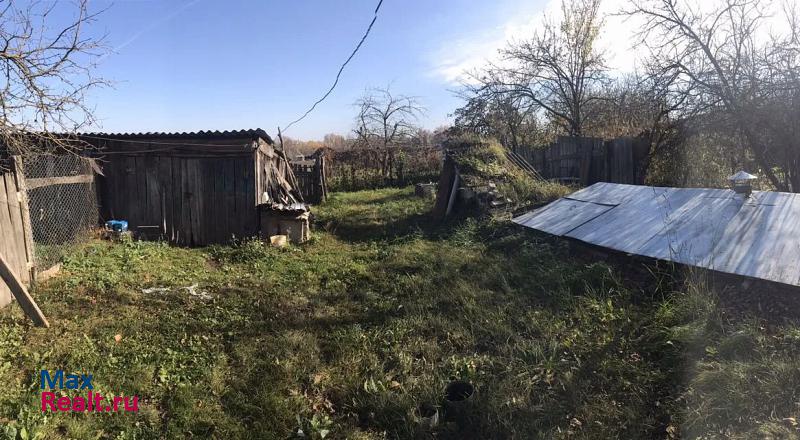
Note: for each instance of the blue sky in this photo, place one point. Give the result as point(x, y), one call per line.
point(209, 64)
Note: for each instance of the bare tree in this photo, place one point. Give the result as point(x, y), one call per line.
point(384, 119)
point(46, 70)
point(558, 69)
point(335, 141)
point(722, 71)
point(504, 116)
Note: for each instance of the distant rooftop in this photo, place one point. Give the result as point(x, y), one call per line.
point(717, 229)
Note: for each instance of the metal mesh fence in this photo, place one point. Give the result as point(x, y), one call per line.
point(62, 211)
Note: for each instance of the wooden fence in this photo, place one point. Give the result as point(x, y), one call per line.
point(312, 178)
point(45, 186)
point(16, 247)
point(586, 161)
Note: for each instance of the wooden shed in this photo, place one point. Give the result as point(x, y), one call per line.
point(191, 188)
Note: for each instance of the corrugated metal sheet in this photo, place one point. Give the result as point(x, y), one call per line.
point(713, 228)
point(203, 134)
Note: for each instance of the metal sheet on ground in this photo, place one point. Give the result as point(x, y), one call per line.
point(713, 228)
point(630, 225)
point(613, 193)
point(562, 216)
point(762, 241)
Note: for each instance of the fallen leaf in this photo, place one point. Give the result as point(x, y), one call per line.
point(319, 377)
point(672, 431)
point(118, 337)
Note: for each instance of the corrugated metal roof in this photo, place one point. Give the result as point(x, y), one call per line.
point(716, 229)
point(203, 134)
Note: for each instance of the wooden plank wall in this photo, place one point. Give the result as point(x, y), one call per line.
point(305, 180)
point(186, 200)
point(12, 230)
point(312, 180)
point(589, 160)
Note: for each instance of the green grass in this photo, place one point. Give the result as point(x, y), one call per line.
point(344, 336)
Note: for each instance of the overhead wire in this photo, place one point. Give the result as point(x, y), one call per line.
point(311, 109)
point(341, 69)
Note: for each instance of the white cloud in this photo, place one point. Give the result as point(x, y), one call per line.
point(455, 58)
point(466, 54)
point(618, 37)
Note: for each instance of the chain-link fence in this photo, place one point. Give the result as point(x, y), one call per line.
point(62, 203)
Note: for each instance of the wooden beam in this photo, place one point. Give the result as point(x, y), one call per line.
point(21, 294)
point(25, 213)
point(62, 180)
point(453, 192)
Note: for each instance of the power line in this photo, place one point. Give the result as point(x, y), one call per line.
point(339, 74)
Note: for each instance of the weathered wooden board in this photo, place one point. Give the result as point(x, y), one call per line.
point(589, 160)
point(717, 229)
point(9, 245)
point(227, 202)
point(60, 180)
point(13, 234)
point(15, 284)
point(15, 213)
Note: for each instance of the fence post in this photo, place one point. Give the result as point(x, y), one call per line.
point(25, 212)
point(316, 173)
point(324, 177)
point(586, 146)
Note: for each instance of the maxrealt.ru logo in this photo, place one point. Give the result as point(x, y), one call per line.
point(90, 402)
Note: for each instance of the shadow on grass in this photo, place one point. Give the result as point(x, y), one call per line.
point(393, 214)
point(375, 216)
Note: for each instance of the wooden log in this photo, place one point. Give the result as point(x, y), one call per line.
point(21, 294)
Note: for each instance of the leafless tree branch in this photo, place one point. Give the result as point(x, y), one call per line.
point(45, 73)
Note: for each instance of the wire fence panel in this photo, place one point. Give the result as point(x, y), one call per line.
point(62, 202)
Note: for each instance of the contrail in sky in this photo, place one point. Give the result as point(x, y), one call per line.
point(153, 24)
